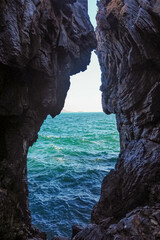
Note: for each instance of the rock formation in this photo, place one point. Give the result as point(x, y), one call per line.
point(128, 35)
point(42, 43)
point(128, 49)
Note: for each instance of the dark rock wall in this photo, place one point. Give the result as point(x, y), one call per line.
point(139, 224)
point(42, 43)
point(128, 35)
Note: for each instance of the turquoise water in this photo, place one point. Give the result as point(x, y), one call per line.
point(66, 166)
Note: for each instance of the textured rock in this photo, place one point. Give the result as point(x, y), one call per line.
point(42, 43)
point(128, 36)
point(141, 223)
point(76, 229)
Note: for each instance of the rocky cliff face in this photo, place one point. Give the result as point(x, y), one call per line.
point(128, 48)
point(128, 35)
point(42, 43)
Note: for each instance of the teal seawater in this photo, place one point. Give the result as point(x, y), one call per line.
point(66, 166)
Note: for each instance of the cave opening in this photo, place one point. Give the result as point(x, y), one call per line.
point(72, 155)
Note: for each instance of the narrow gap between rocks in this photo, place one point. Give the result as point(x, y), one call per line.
point(67, 164)
point(72, 155)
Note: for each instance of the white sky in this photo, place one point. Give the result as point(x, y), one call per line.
point(84, 94)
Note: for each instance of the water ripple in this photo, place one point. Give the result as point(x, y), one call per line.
point(66, 166)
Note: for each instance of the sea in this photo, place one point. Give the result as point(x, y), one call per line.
point(66, 166)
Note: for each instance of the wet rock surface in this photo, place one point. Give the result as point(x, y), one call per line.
point(42, 43)
point(141, 223)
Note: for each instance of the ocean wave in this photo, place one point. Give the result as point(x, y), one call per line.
point(66, 167)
